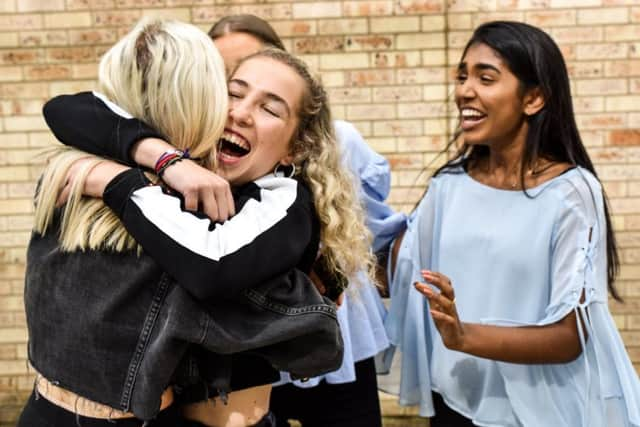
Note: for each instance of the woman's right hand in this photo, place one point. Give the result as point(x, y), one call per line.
point(202, 189)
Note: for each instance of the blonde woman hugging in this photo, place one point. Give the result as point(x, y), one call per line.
point(157, 299)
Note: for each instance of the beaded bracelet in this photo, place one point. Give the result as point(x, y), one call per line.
point(169, 158)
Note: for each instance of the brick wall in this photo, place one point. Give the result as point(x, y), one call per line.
point(386, 65)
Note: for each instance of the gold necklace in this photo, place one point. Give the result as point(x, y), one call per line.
point(532, 172)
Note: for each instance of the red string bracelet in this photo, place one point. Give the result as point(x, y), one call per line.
point(169, 158)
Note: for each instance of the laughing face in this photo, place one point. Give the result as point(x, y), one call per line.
point(489, 99)
point(263, 117)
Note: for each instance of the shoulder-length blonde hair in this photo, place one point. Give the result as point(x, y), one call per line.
point(345, 240)
point(167, 74)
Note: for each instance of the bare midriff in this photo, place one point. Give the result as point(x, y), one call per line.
point(244, 408)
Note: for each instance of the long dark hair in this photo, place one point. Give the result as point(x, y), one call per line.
point(248, 24)
point(535, 59)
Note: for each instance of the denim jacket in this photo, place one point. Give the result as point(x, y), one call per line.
point(114, 327)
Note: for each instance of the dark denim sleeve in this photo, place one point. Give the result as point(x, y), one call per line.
point(86, 122)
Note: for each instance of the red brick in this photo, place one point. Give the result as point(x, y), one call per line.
point(588, 104)
point(367, 8)
point(138, 3)
point(72, 54)
point(608, 155)
point(397, 59)
point(371, 112)
point(584, 69)
point(577, 34)
point(601, 87)
point(419, 6)
point(481, 18)
point(623, 33)
point(601, 121)
point(618, 172)
point(371, 42)
point(319, 44)
point(470, 6)
point(458, 39)
point(23, 90)
point(20, 22)
point(44, 38)
point(413, 110)
point(421, 143)
point(404, 161)
point(188, 2)
point(616, 188)
point(604, 51)
point(21, 56)
point(116, 18)
point(48, 72)
point(92, 37)
point(568, 51)
point(626, 137)
point(397, 93)
point(85, 71)
point(18, 107)
point(349, 95)
point(420, 75)
point(295, 28)
point(559, 18)
point(622, 68)
point(370, 77)
point(398, 128)
point(209, 15)
point(89, 4)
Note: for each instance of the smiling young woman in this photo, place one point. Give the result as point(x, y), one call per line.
point(511, 251)
point(351, 389)
point(280, 219)
point(262, 120)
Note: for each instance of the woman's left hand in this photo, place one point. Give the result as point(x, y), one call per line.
point(442, 306)
point(99, 176)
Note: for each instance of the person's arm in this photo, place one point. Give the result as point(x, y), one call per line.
point(554, 342)
point(558, 342)
point(267, 236)
point(90, 122)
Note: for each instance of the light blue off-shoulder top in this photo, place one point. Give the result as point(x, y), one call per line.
point(513, 260)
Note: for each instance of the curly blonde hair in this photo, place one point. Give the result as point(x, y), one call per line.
point(165, 73)
point(345, 240)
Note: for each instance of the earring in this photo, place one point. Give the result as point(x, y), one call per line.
point(277, 170)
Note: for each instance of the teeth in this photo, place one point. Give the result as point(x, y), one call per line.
point(467, 112)
point(236, 140)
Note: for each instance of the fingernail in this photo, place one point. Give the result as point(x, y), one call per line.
point(425, 290)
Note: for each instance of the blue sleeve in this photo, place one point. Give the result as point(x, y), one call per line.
point(374, 174)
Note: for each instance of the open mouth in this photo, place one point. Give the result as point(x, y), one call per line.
point(469, 117)
point(233, 145)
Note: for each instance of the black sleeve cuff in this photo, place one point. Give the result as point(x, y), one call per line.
point(119, 190)
point(85, 122)
point(126, 134)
